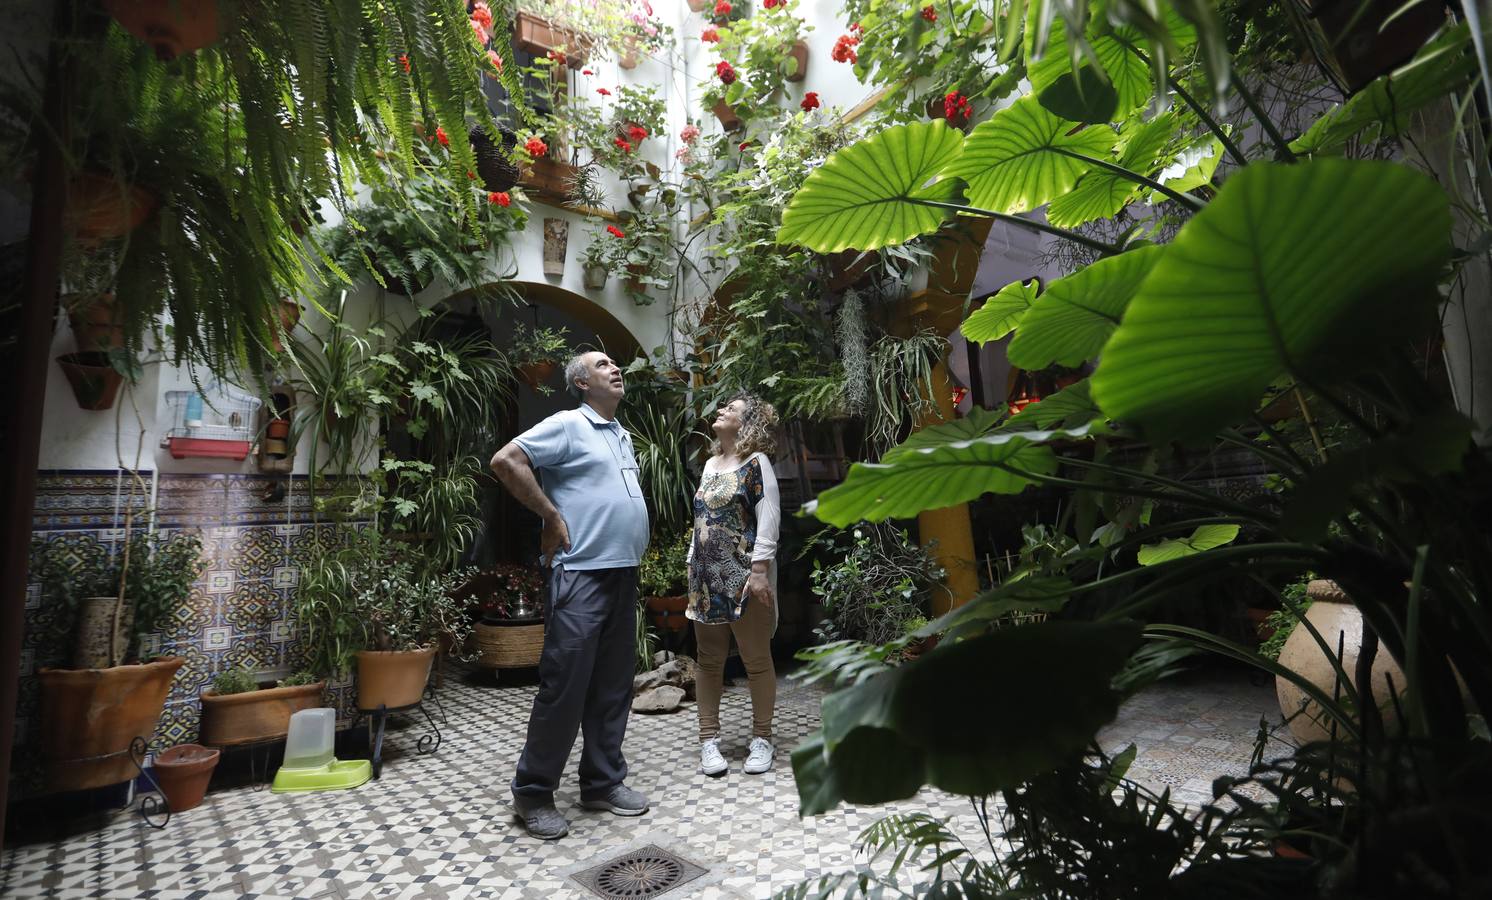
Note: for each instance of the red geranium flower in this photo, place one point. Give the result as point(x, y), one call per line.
point(482, 15)
point(494, 60)
point(615, 231)
point(501, 198)
point(772, 4)
point(722, 7)
point(586, 72)
point(603, 92)
point(404, 61)
point(725, 72)
point(471, 175)
point(810, 101)
point(440, 135)
point(622, 145)
point(710, 36)
point(929, 13)
point(844, 49)
point(535, 147)
point(956, 108)
point(637, 133)
point(855, 27)
point(558, 56)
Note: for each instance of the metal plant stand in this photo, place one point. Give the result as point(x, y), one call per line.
point(150, 804)
point(378, 718)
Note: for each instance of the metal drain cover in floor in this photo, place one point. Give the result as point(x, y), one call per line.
point(647, 872)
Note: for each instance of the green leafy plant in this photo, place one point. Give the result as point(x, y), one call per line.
point(759, 50)
point(664, 571)
point(298, 679)
point(877, 583)
point(531, 346)
point(237, 680)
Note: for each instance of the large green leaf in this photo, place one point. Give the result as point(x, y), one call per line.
point(1019, 158)
point(1101, 194)
point(938, 475)
point(977, 423)
point(1001, 313)
point(1202, 539)
point(1069, 323)
point(1192, 167)
point(1115, 50)
point(1384, 107)
point(861, 198)
point(1306, 267)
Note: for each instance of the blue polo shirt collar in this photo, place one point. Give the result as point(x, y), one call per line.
point(596, 418)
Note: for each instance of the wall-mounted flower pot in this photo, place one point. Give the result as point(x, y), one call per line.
point(595, 277)
point(1363, 44)
point(95, 321)
point(549, 179)
point(697, 5)
point(535, 374)
point(631, 53)
point(727, 116)
point(90, 716)
point(278, 429)
point(183, 772)
point(635, 273)
point(795, 66)
point(99, 208)
point(494, 164)
point(170, 27)
point(392, 678)
point(556, 240)
point(95, 383)
point(539, 36)
point(263, 715)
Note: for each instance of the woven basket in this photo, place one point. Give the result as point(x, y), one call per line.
point(493, 164)
point(510, 645)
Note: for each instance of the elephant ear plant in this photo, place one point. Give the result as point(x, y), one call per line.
point(1310, 273)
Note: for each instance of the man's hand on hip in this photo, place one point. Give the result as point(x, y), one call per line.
point(555, 535)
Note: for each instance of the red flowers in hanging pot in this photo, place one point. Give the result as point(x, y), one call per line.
point(844, 49)
point(404, 62)
point(500, 198)
point(956, 108)
point(535, 147)
point(722, 8)
point(623, 145)
point(710, 36)
point(725, 72)
point(636, 133)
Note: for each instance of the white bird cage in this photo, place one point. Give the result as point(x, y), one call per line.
point(218, 422)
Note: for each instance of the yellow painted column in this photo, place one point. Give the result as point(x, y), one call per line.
point(950, 527)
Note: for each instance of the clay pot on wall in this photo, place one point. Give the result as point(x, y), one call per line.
point(795, 66)
point(184, 772)
point(535, 374)
point(392, 678)
point(667, 613)
point(90, 716)
point(289, 313)
point(99, 208)
point(170, 27)
point(539, 36)
point(94, 381)
point(1337, 619)
point(556, 240)
point(727, 116)
point(594, 277)
point(95, 321)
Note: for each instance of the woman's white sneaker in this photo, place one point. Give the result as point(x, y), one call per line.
point(710, 760)
point(758, 756)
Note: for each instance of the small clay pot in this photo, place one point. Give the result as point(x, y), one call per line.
point(95, 383)
point(183, 772)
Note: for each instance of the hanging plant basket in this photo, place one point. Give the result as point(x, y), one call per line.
point(495, 165)
point(539, 36)
point(170, 27)
point(99, 208)
point(595, 277)
point(535, 374)
point(727, 116)
point(795, 66)
point(94, 381)
point(95, 321)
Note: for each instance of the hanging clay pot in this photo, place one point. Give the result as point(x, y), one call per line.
point(795, 66)
point(535, 374)
point(595, 277)
point(727, 116)
point(289, 315)
point(95, 320)
point(100, 208)
point(95, 383)
point(170, 27)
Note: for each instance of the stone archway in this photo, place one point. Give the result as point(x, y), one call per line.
point(616, 337)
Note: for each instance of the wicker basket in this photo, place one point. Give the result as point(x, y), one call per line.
point(514, 644)
point(496, 169)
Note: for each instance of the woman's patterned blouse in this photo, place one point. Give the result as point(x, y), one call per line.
point(724, 535)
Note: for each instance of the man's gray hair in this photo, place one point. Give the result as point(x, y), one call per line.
point(576, 369)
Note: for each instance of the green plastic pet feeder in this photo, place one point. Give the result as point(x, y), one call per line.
point(309, 763)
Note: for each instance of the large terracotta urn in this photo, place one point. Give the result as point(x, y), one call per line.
point(1340, 623)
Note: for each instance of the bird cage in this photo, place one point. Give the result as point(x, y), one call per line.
point(218, 422)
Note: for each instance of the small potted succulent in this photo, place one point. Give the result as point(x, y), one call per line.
point(536, 352)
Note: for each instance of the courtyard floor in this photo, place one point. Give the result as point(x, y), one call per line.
point(440, 825)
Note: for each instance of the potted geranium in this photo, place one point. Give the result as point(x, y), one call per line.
point(637, 249)
point(507, 606)
point(112, 597)
point(536, 352)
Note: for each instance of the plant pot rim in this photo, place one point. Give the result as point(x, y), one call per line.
point(167, 758)
point(510, 623)
point(269, 693)
point(427, 651)
point(174, 662)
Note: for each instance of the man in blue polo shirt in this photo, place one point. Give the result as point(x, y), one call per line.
point(595, 532)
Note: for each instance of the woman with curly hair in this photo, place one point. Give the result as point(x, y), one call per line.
point(733, 574)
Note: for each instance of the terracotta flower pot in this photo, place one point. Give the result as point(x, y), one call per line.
point(1337, 619)
point(667, 613)
point(95, 321)
point(99, 208)
point(697, 5)
point(631, 53)
point(95, 383)
point(90, 716)
point(262, 715)
point(635, 274)
point(727, 116)
point(289, 313)
point(183, 772)
point(392, 678)
point(535, 374)
point(539, 36)
point(277, 429)
point(170, 27)
point(797, 70)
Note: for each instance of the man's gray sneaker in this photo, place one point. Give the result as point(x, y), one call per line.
point(541, 819)
point(710, 761)
point(620, 800)
point(758, 756)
